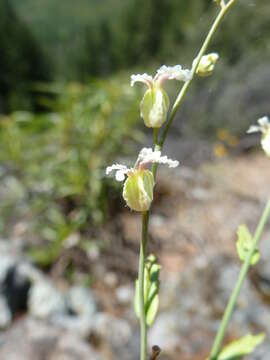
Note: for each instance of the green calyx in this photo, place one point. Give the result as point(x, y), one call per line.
point(154, 107)
point(138, 190)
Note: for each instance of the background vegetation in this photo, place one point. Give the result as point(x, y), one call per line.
point(67, 108)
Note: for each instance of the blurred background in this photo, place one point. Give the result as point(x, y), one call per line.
point(69, 246)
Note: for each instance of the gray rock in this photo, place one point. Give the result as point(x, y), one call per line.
point(71, 347)
point(33, 339)
point(5, 314)
point(115, 331)
point(124, 294)
point(80, 300)
point(81, 325)
point(45, 300)
point(165, 332)
point(27, 339)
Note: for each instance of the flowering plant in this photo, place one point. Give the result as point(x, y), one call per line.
point(138, 193)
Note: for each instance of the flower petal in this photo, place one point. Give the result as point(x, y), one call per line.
point(144, 78)
point(172, 72)
point(120, 175)
point(148, 156)
point(121, 171)
point(264, 121)
point(264, 126)
point(253, 129)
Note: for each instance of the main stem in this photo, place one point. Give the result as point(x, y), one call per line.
point(158, 145)
point(145, 217)
point(231, 304)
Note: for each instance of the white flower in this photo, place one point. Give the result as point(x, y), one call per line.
point(144, 78)
point(121, 171)
point(139, 184)
point(155, 103)
point(172, 72)
point(264, 128)
point(146, 157)
point(163, 73)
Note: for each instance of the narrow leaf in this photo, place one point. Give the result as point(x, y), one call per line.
point(241, 347)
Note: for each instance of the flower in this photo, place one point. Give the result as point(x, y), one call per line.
point(264, 128)
point(155, 103)
point(139, 181)
point(207, 64)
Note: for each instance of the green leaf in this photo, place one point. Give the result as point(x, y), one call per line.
point(244, 243)
point(151, 290)
point(152, 309)
point(241, 347)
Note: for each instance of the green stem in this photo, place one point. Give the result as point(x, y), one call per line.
point(231, 304)
point(158, 146)
point(145, 218)
point(187, 84)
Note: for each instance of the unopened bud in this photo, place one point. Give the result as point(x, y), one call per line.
point(154, 107)
point(138, 190)
point(207, 64)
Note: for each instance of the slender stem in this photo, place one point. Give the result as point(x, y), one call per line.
point(187, 84)
point(145, 218)
point(231, 304)
point(158, 146)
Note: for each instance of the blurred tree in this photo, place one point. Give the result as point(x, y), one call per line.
point(97, 58)
point(21, 62)
point(143, 26)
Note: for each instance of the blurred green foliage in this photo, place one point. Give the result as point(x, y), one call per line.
point(53, 164)
point(98, 38)
point(22, 62)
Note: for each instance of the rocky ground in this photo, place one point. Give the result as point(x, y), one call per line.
point(193, 233)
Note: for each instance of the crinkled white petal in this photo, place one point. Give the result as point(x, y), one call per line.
point(264, 126)
point(144, 78)
point(120, 175)
point(121, 171)
point(165, 160)
point(144, 154)
point(148, 156)
point(253, 128)
point(173, 72)
point(264, 121)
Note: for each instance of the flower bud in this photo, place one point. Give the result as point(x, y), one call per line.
point(154, 107)
point(138, 190)
point(207, 64)
point(265, 142)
